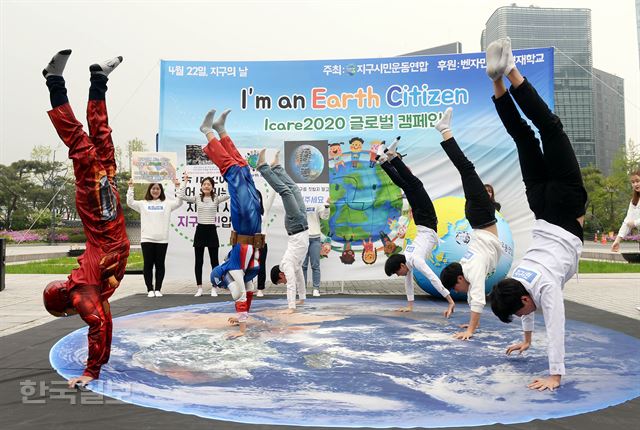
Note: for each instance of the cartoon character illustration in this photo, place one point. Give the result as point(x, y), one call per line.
point(325, 247)
point(393, 224)
point(390, 247)
point(403, 223)
point(355, 145)
point(335, 155)
point(402, 231)
point(348, 256)
point(369, 254)
point(398, 227)
point(373, 152)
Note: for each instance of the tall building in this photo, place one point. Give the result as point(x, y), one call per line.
point(569, 31)
point(449, 48)
point(608, 97)
point(638, 25)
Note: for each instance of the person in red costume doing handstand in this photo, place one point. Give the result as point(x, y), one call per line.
point(87, 289)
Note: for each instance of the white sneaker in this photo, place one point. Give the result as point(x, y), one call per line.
point(260, 293)
point(198, 293)
point(381, 157)
point(158, 294)
point(214, 292)
point(316, 292)
point(392, 149)
point(150, 294)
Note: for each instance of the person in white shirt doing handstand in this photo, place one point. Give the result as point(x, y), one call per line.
point(424, 215)
point(557, 197)
point(483, 253)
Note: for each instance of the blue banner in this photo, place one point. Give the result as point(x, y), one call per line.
point(328, 117)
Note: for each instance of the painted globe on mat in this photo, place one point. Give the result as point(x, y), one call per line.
point(454, 233)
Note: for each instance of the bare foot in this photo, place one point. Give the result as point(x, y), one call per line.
point(288, 311)
point(262, 157)
point(300, 302)
point(233, 321)
point(276, 159)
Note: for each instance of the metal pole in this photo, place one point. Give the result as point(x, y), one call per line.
point(52, 227)
point(3, 242)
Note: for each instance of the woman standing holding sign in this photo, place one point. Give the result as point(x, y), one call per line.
point(155, 216)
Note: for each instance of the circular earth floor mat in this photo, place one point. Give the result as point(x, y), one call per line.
point(351, 362)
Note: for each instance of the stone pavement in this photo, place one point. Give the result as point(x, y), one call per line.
point(21, 302)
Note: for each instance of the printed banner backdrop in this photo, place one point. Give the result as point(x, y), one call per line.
point(327, 119)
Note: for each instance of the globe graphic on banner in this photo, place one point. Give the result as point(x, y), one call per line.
point(365, 199)
point(306, 163)
point(454, 232)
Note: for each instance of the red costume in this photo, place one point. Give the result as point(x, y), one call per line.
point(98, 203)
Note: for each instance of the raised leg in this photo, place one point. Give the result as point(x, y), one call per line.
point(479, 210)
point(296, 220)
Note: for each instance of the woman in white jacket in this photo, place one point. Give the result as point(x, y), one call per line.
point(632, 220)
point(155, 215)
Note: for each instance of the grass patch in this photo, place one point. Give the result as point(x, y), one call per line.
point(63, 265)
point(587, 266)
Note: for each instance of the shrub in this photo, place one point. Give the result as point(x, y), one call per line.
point(21, 236)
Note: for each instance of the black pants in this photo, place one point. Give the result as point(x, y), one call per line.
point(153, 254)
point(199, 253)
point(551, 175)
point(58, 90)
point(262, 272)
point(478, 208)
point(423, 211)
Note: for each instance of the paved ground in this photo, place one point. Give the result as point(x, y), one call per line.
point(21, 302)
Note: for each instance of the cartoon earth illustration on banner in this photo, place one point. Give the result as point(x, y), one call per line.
point(454, 233)
point(362, 199)
point(306, 163)
point(350, 363)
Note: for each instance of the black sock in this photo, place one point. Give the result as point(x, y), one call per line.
point(98, 87)
point(57, 90)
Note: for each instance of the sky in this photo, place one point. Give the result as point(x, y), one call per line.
point(144, 32)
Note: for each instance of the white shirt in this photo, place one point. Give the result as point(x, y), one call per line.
point(633, 214)
point(206, 208)
point(547, 265)
point(479, 263)
point(422, 246)
point(314, 214)
point(155, 217)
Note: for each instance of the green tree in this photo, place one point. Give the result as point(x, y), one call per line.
point(17, 193)
point(123, 161)
point(134, 145)
point(51, 179)
point(593, 183)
